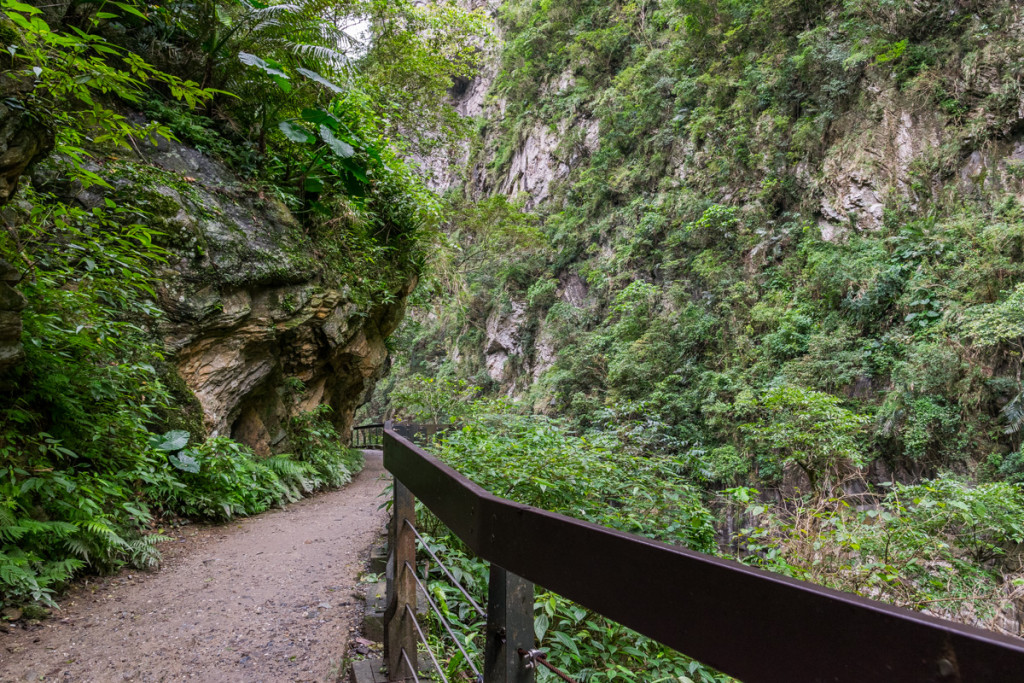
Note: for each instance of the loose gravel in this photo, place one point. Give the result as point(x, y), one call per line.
point(268, 598)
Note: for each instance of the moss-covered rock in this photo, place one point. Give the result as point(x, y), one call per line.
point(247, 307)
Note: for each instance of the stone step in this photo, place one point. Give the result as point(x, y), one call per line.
point(378, 558)
point(376, 602)
point(367, 671)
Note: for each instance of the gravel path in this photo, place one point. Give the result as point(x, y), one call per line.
point(268, 598)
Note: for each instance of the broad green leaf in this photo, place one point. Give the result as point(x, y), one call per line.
point(540, 626)
point(355, 169)
point(171, 441)
point(282, 82)
point(295, 133)
point(130, 9)
point(566, 641)
point(19, 20)
point(185, 463)
point(338, 146)
point(270, 67)
point(22, 7)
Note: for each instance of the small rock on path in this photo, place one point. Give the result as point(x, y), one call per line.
point(268, 598)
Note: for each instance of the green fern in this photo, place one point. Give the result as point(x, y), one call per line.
point(143, 553)
point(300, 474)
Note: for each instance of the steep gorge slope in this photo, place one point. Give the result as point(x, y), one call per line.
point(740, 196)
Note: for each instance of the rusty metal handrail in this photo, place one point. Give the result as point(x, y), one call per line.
point(746, 622)
point(368, 435)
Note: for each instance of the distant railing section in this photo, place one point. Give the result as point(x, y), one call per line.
point(368, 436)
point(745, 622)
point(418, 432)
point(372, 435)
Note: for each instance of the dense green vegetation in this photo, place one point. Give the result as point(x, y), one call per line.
point(100, 441)
point(538, 461)
point(770, 305)
point(839, 384)
point(940, 545)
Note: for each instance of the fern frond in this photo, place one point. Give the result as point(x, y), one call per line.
point(78, 547)
point(323, 54)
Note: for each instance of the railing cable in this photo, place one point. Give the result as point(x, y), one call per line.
point(409, 666)
point(479, 610)
point(423, 639)
point(444, 622)
point(539, 657)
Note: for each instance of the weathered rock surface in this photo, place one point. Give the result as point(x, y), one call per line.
point(12, 302)
point(870, 160)
point(504, 339)
point(252, 325)
point(23, 141)
point(255, 330)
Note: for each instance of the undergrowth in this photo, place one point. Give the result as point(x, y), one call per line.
point(540, 462)
point(88, 465)
point(946, 546)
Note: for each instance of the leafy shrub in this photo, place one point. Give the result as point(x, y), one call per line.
point(723, 464)
point(537, 461)
point(541, 294)
point(810, 429)
point(227, 481)
point(316, 442)
point(936, 545)
point(435, 400)
point(75, 457)
point(633, 308)
point(221, 478)
point(1011, 467)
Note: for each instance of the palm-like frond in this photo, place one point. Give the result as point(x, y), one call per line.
point(1014, 414)
point(301, 30)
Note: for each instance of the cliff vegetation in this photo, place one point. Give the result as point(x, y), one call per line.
point(210, 230)
point(771, 248)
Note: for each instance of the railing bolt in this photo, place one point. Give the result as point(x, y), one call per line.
point(946, 668)
point(530, 657)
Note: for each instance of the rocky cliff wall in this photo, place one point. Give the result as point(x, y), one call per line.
point(253, 326)
point(892, 144)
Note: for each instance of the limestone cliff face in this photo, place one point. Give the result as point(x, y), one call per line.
point(248, 314)
point(252, 325)
point(890, 146)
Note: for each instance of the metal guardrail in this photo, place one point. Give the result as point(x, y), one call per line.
point(368, 436)
point(746, 622)
point(371, 435)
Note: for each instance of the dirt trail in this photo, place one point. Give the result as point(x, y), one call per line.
point(263, 599)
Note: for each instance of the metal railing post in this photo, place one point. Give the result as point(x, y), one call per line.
point(509, 627)
point(399, 631)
